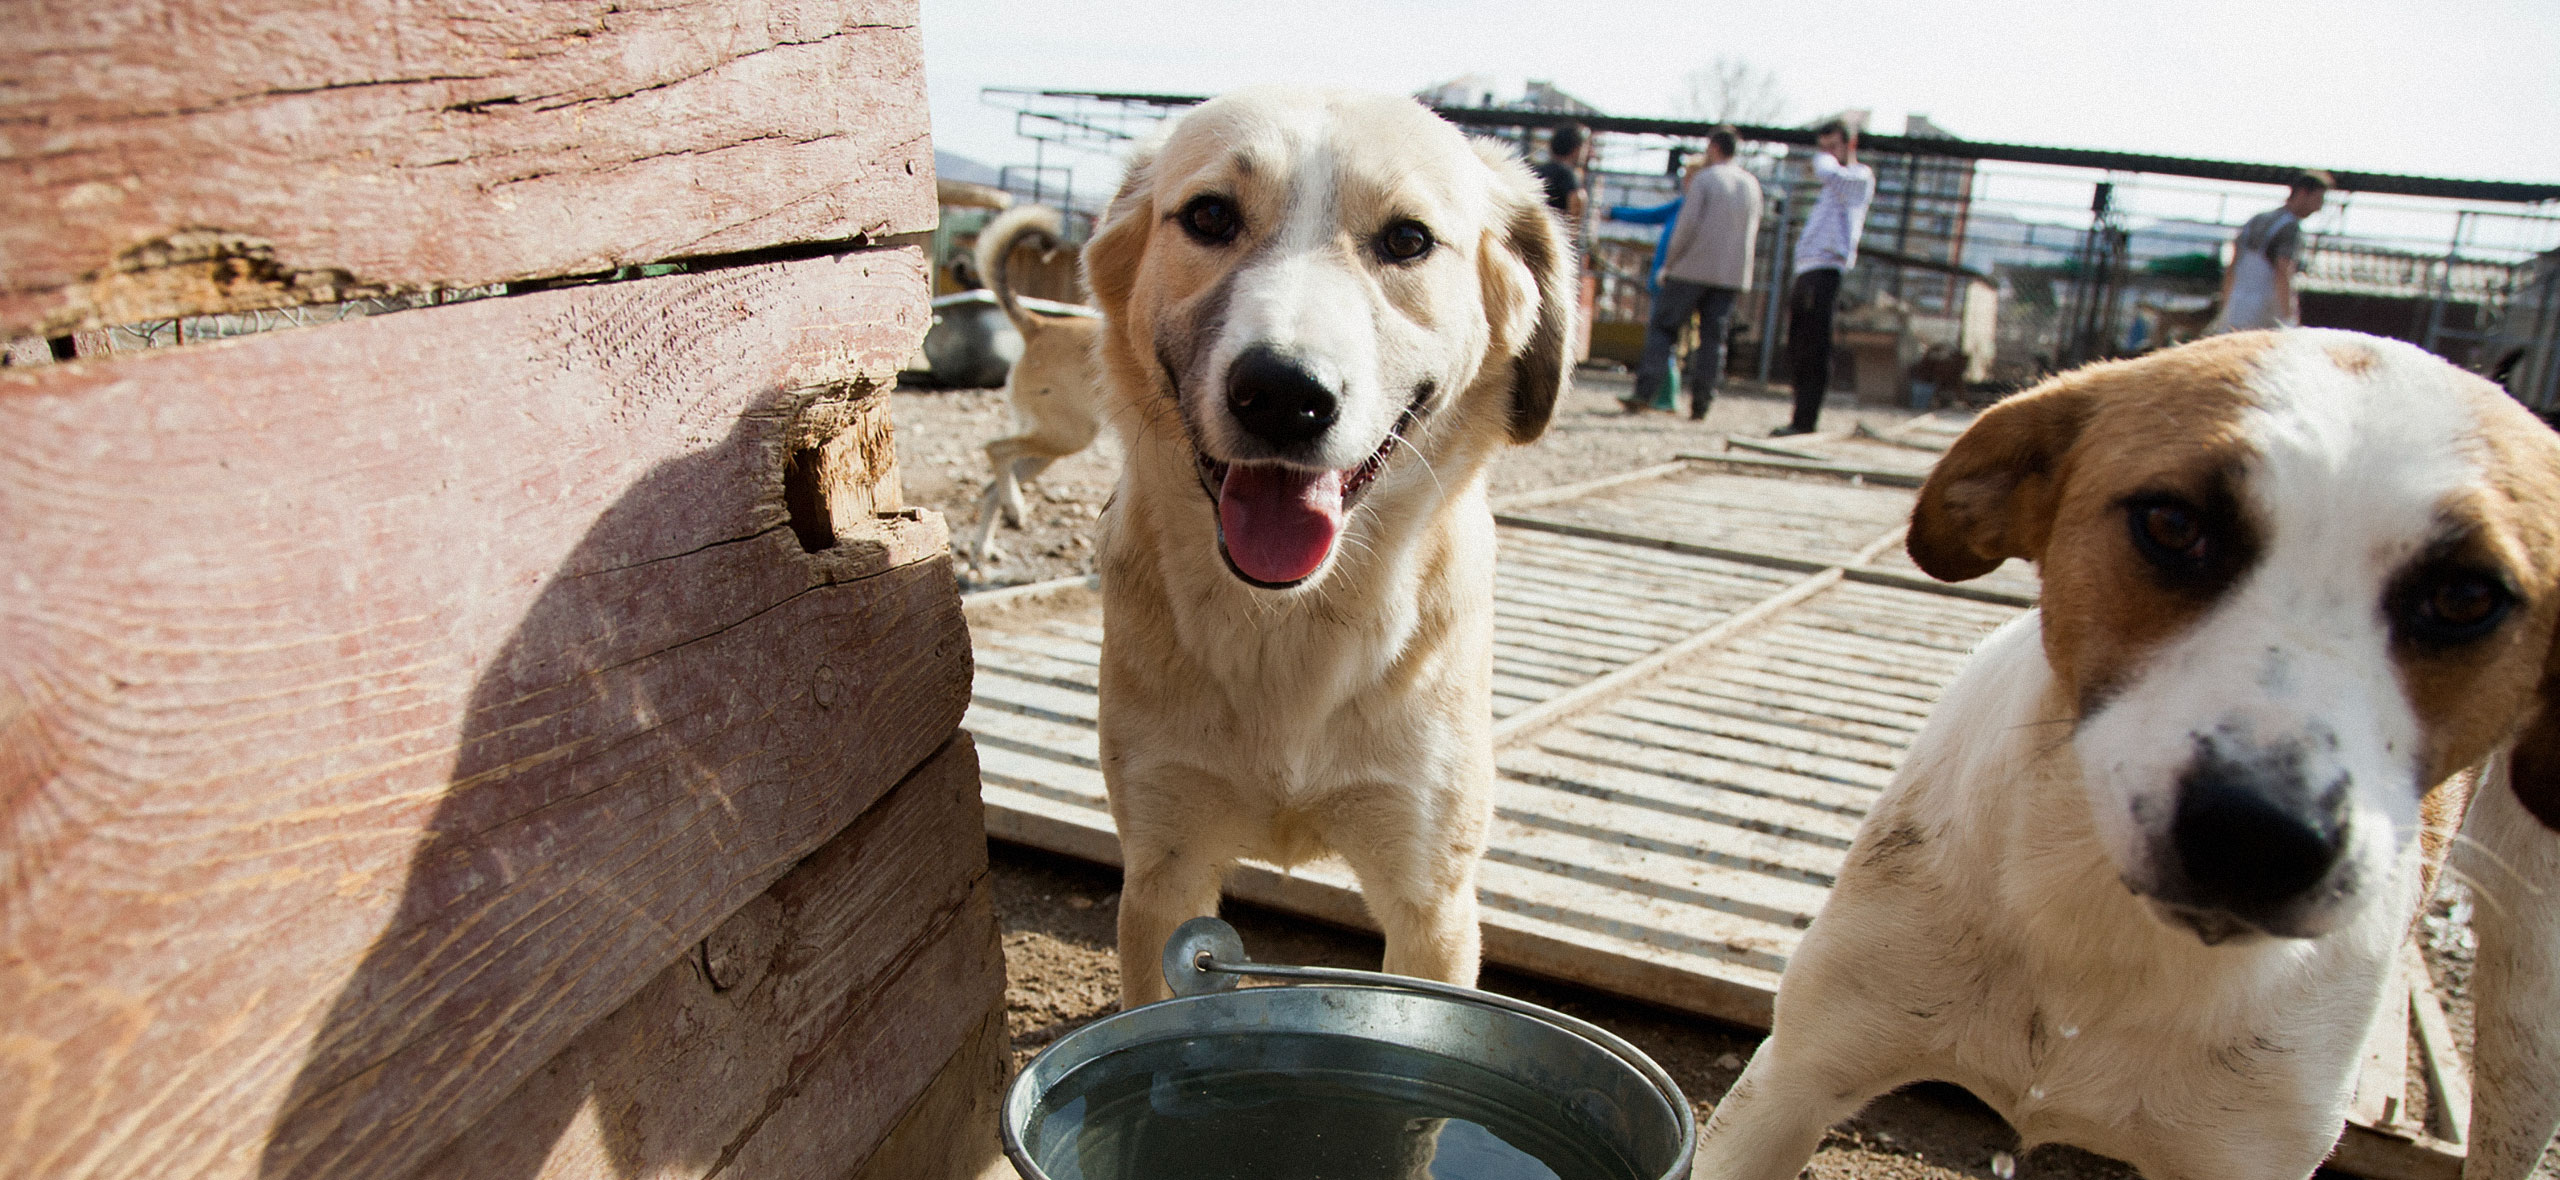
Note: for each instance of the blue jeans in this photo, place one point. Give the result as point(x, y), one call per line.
point(1672, 306)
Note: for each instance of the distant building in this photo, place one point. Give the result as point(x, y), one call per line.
point(1543, 96)
point(1483, 91)
point(1996, 238)
point(2174, 237)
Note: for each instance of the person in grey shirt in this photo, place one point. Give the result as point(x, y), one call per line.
point(1706, 266)
point(2257, 288)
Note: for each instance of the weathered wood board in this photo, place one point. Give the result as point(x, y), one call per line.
point(792, 1042)
point(190, 156)
point(382, 704)
point(1672, 840)
point(1811, 519)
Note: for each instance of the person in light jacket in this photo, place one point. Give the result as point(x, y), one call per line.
point(1826, 250)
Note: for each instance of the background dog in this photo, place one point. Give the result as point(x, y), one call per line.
point(1324, 314)
point(1056, 387)
point(2140, 883)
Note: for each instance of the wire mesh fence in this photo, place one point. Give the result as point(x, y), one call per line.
point(2080, 265)
point(2000, 270)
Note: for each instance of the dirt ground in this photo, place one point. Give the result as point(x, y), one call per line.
point(1058, 914)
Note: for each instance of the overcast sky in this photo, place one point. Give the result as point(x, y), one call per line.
point(2447, 88)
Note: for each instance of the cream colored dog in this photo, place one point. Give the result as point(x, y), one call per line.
point(1324, 314)
point(2142, 878)
point(1055, 388)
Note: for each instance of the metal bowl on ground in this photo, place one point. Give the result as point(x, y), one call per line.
point(1347, 1075)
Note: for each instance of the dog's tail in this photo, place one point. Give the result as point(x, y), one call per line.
point(1034, 223)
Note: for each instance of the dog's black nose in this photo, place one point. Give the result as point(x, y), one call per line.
point(2251, 840)
point(1276, 400)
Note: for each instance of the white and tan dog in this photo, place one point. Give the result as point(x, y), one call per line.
point(2141, 880)
point(1055, 388)
point(1324, 314)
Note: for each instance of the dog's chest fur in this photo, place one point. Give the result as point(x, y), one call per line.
point(1294, 700)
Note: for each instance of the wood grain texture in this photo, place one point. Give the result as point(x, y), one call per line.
point(2382, 1081)
point(383, 703)
point(2376, 1155)
point(877, 954)
point(950, 1131)
point(193, 156)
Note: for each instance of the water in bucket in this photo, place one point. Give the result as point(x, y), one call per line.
point(1297, 1106)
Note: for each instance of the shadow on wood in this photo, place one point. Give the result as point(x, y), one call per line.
point(634, 731)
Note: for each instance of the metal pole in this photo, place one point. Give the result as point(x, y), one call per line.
point(2119, 249)
point(2444, 287)
point(1777, 271)
point(2546, 344)
point(1902, 227)
point(2089, 288)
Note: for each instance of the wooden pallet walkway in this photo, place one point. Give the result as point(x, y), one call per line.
point(1703, 676)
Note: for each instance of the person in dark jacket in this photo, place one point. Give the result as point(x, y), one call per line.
point(1568, 149)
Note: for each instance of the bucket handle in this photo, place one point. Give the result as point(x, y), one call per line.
point(1207, 955)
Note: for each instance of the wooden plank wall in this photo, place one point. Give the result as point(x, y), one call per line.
point(169, 156)
point(469, 740)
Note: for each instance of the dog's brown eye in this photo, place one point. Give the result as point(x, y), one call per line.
point(1211, 219)
point(2194, 549)
point(2452, 606)
point(1404, 241)
point(2463, 603)
point(2172, 530)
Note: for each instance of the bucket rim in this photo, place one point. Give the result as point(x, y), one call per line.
point(1644, 1066)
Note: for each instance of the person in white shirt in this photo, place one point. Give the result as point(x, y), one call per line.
point(2257, 288)
point(1826, 249)
point(1706, 266)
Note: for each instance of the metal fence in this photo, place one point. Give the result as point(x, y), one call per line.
point(2132, 264)
point(2078, 254)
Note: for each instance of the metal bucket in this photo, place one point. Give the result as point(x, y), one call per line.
point(1352, 1075)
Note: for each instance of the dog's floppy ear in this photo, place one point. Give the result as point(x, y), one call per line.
point(2526, 460)
point(1120, 242)
point(1528, 270)
point(1993, 496)
point(2533, 767)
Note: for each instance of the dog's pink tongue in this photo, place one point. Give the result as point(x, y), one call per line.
point(1279, 522)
